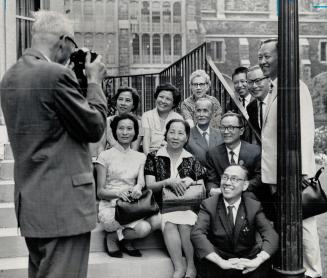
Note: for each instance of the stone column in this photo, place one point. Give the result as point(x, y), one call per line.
point(289, 262)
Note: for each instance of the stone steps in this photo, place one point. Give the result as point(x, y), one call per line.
point(7, 215)
point(153, 264)
point(6, 191)
point(13, 244)
point(7, 169)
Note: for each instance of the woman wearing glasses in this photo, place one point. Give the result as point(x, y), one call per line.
point(175, 168)
point(200, 84)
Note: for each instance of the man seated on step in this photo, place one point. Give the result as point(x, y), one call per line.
point(224, 236)
point(233, 151)
point(202, 136)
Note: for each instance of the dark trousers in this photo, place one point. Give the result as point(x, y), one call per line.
point(207, 269)
point(60, 257)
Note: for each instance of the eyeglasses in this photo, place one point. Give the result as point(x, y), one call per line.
point(68, 38)
point(230, 128)
point(256, 81)
point(233, 179)
point(201, 85)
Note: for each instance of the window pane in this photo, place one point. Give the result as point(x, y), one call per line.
point(177, 45)
point(146, 48)
point(110, 49)
point(156, 49)
point(145, 17)
point(136, 49)
point(23, 35)
point(167, 48)
point(88, 41)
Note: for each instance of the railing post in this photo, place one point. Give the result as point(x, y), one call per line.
point(289, 262)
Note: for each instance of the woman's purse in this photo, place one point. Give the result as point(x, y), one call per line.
point(192, 198)
point(314, 200)
point(145, 206)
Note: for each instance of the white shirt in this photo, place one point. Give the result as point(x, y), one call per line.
point(235, 207)
point(247, 100)
point(207, 133)
point(236, 153)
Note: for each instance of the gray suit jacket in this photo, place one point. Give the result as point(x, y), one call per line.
point(198, 146)
point(49, 125)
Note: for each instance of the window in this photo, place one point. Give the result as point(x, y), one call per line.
point(145, 17)
point(167, 49)
point(133, 9)
point(88, 41)
point(156, 49)
point(323, 51)
point(177, 12)
point(110, 49)
point(156, 16)
point(77, 15)
point(217, 51)
point(145, 48)
point(88, 11)
point(177, 46)
point(24, 24)
point(136, 48)
point(99, 43)
point(166, 17)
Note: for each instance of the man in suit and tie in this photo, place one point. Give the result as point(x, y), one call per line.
point(202, 136)
point(241, 86)
point(224, 236)
point(233, 151)
point(50, 124)
point(259, 87)
point(268, 61)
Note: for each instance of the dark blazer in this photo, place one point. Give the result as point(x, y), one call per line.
point(252, 110)
point(49, 125)
point(249, 157)
point(198, 146)
point(212, 232)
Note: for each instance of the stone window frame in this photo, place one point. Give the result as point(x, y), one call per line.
point(223, 50)
point(324, 41)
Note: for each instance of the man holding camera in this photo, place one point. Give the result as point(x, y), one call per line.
point(50, 124)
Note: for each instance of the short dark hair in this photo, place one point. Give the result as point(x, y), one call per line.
point(186, 125)
point(232, 114)
point(246, 171)
point(134, 93)
point(275, 40)
point(240, 70)
point(169, 87)
point(118, 118)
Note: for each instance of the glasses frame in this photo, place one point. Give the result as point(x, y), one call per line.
point(256, 81)
point(201, 85)
point(230, 128)
point(233, 179)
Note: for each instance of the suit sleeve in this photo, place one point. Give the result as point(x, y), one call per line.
point(255, 181)
point(83, 118)
point(269, 236)
point(213, 179)
point(199, 233)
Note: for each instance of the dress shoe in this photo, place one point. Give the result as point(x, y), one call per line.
point(127, 247)
point(112, 246)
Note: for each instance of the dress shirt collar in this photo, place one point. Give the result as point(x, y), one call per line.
point(202, 131)
point(236, 205)
point(247, 99)
point(235, 150)
point(163, 152)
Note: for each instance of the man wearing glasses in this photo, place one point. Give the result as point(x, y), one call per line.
point(259, 87)
point(233, 151)
point(50, 124)
point(200, 85)
point(268, 61)
point(224, 236)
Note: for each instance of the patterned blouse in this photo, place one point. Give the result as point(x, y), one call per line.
point(158, 165)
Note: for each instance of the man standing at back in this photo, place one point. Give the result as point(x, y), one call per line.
point(268, 61)
point(241, 86)
point(49, 125)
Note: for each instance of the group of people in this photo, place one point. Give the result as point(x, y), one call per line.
point(51, 125)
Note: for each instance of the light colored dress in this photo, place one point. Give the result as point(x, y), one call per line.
point(122, 167)
point(151, 121)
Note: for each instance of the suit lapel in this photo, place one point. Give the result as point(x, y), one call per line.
point(224, 156)
point(243, 153)
point(199, 140)
point(239, 222)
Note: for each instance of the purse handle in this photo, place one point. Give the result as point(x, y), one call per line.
point(319, 172)
point(196, 176)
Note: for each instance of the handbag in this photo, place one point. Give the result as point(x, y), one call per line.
point(145, 206)
point(314, 199)
point(191, 199)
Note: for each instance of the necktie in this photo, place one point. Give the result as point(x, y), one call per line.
point(243, 101)
point(230, 216)
point(232, 161)
point(261, 113)
point(204, 134)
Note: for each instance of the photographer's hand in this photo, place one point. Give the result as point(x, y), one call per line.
point(95, 71)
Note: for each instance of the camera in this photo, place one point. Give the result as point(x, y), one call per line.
point(78, 58)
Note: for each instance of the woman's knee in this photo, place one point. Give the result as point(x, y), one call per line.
point(155, 222)
point(142, 229)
